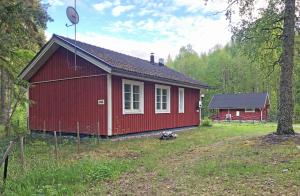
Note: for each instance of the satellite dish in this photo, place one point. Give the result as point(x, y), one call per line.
point(72, 15)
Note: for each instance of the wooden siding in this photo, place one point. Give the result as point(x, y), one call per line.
point(68, 101)
point(132, 123)
point(244, 116)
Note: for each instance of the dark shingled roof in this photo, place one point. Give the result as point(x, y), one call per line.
point(122, 63)
point(238, 101)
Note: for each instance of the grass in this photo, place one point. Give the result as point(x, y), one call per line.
point(224, 159)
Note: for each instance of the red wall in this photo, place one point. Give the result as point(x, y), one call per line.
point(130, 123)
point(68, 101)
point(221, 115)
point(75, 100)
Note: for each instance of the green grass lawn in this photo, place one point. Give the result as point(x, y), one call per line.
point(225, 159)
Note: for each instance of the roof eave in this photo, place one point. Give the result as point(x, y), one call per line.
point(145, 77)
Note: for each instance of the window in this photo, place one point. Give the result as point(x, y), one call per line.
point(133, 97)
point(249, 110)
point(181, 100)
point(162, 99)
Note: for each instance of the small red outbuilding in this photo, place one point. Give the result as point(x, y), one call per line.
point(240, 107)
point(106, 92)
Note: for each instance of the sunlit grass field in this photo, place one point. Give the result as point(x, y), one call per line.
point(225, 159)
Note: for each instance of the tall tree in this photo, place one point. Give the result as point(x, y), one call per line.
point(276, 23)
point(285, 116)
point(22, 25)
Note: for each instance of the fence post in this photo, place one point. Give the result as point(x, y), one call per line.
point(98, 131)
point(44, 130)
point(78, 138)
point(55, 146)
point(22, 156)
point(5, 168)
point(59, 130)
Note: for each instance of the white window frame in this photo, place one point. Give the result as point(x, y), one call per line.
point(180, 110)
point(250, 110)
point(131, 110)
point(168, 88)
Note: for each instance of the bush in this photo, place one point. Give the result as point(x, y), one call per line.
point(19, 120)
point(206, 122)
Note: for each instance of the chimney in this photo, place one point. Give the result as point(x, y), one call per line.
point(152, 58)
point(161, 62)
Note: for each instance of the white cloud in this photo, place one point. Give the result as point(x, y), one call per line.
point(168, 36)
point(202, 33)
point(102, 6)
point(118, 10)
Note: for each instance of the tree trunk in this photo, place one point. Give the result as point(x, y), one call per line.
point(285, 116)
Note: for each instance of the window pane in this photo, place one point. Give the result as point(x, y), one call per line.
point(164, 92)
point(136, 97)
point(136, 89)
point(127, 88)
point(158, 106)
point(158, 91)
point(164, 106)
point(136, 105)
point(127, 97)
point(164, 98)
point(158, 95)
point(158, 99)
point(127, 105)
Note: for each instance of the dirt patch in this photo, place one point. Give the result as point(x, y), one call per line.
point(273, 139)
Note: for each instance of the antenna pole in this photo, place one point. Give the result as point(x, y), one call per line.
point(75, 41)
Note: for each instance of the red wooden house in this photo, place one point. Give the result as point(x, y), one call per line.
point(240, 107)
point(107, 92)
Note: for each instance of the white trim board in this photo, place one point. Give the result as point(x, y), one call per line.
point(109, 105)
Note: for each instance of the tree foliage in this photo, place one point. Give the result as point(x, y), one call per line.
point(22, 25)
point(229, 69)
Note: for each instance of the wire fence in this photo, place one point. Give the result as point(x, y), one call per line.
point(38, 148)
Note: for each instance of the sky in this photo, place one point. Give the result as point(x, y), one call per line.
point(139, 27)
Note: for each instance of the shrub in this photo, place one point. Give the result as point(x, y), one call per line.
point(206, 122)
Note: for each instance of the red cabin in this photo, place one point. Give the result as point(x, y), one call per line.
point(106, 92)
point(240, 107)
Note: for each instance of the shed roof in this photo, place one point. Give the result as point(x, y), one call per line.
point(125, 64)
point(239, 101)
